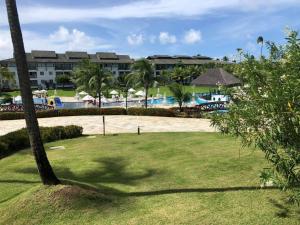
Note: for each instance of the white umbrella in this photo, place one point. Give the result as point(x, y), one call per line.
point(131, 90)
point(37, 92)
point(104, 100)
point(88, 98)
point(18, 98)
point(44, 91)
point(83, 93)
point(113, 92)
point(140, 93)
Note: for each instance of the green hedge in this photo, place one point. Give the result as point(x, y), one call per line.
point(151, 112)
point(18, 140)
point(65, 112)
point(187, 112)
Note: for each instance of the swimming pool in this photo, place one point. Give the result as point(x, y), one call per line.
point(171, 101)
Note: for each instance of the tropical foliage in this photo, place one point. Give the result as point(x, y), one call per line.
point(5, 76)
point(180, 94)
point(142, 75)
point(63, 79)
point(92, 77)
point(123, 84)
point(266, 111)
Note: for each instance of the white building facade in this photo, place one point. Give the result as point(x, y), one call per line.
point(45, 66)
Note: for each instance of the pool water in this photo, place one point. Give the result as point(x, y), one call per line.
point(171, 101)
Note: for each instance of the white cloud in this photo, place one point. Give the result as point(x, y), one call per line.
point(192, 36)
point(135, 39)
point(141, 9)
point(5, 44)
point(61, 40)
point(166, 38)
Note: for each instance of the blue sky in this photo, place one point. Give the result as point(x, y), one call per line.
point(145, 27)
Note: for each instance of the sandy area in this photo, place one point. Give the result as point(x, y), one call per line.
point(117, 124)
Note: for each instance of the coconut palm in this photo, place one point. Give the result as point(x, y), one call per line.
point(45, 170)
point(260, 40)
point(180, 74)
point(180, 94)
point(123, 84)
point(143, 75)
point(5, 75)
point(240, 52)
point(92, 77)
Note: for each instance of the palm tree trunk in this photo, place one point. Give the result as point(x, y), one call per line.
point(45, 170)
point(99, 94)
point(146, 97)
point(126, 103)
point(180, 106)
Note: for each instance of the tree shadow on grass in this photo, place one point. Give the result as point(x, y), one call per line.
point(196, 190)
point(284, 208)
point(109, 170)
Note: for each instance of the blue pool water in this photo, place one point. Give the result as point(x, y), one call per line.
point(171, 101)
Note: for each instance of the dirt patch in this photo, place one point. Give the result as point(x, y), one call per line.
point(75, 196)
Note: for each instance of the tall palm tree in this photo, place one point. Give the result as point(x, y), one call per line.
point(92, 77)
point(240, 52)
point(260, 40)
point(180, 94)
point(5, 75)
point(143, 75)
point(45, 170)
point(123, 84)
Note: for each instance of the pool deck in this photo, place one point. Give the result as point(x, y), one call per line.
point(117, 124)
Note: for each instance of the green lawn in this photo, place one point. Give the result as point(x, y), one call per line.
point(60, 92)
point(165, 90)
point(163, 178)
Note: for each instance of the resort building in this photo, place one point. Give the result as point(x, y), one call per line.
point(45, 66)
point(166, 62)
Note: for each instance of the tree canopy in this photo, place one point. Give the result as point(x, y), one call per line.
point(266, 110)
point(92, 77)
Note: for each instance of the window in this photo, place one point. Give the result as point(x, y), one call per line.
point(34, 83)
point(42, 73)
point(32, 66)
point(32, 74)
point(59, 73)
point(50, 73)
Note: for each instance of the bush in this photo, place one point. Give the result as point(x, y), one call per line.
point(18, 140)
point(151, 112)
point(65, 112)
point(188, 112)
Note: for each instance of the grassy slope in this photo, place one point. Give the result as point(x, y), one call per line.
point(166, 178)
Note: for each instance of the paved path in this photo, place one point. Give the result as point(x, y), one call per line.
point(118, 124)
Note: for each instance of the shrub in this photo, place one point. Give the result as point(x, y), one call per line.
point(188, 112)
point(151, 112)
point(17, 140)
point(65, 112)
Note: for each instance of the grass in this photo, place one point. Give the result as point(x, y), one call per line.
point(165, 90)
point(163, 178)
point(60, 92)
point(152, 91)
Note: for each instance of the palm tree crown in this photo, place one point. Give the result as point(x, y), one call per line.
point(92, 77)
point(180, 94)
point(143, 75)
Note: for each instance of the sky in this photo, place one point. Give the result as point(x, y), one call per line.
point(140, 28)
